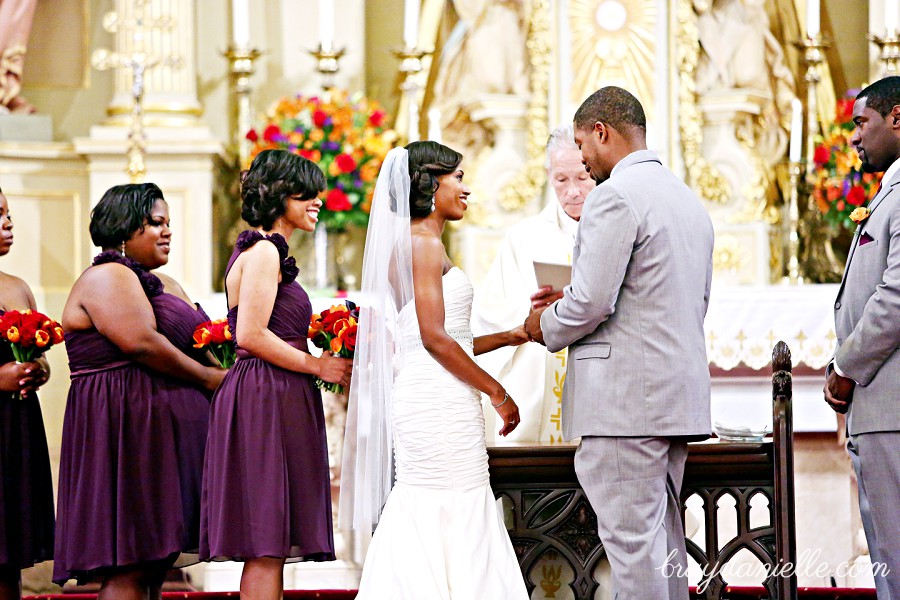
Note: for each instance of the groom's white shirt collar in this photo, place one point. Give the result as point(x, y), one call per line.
point(891, 171)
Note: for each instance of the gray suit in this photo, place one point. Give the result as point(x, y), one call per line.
point(637, 381)
point(867, 323)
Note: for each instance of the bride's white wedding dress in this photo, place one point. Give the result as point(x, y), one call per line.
point(441, 536)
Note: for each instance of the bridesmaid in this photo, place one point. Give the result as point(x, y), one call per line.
point(137, 411)
point(26, 486)
point(266, 495)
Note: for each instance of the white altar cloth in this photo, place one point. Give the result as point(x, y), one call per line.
point(744, 323)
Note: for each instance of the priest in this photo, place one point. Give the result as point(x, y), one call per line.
point(531, 375)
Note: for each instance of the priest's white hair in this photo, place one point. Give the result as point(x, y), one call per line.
point(562, 138)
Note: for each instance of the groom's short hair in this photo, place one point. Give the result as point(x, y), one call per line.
point(615, 106)
point(883, 95)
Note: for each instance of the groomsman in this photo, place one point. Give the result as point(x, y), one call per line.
point(863, 379)
point(637, 380)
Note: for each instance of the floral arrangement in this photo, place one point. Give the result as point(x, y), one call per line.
point(335, 331)
point(839, 184)
point(215, 336)
point(345, 135)
point(29, 334)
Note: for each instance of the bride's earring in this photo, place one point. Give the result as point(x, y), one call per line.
point(432, 204)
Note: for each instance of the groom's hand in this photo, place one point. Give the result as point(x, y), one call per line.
point(533, 325)
point(838, 392)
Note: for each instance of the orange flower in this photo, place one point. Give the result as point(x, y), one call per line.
point(860, 214)
point(202, 336)
point(41, 338)
point(336, 345)
point(12, 335)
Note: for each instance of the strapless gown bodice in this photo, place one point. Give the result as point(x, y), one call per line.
point(458, 293)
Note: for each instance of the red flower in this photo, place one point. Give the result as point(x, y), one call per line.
point(376, 119)
point(821, 155)
point(337, 201)
point(270, 133)
point(857, 195)
point(253, 136)
point(840, 205)
point(844, 110)
point(345, 163)
point(319, 118)
point(348, 336)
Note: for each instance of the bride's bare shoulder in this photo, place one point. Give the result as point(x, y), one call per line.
point(426, 241)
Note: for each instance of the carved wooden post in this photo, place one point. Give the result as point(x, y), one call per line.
point(783, 436)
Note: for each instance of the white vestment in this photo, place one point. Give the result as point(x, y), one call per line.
point(532, 376)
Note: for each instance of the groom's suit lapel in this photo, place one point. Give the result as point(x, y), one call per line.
point(886, 190)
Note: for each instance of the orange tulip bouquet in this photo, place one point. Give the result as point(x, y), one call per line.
point(29, 334)
point(215, 336)
point(335, 331)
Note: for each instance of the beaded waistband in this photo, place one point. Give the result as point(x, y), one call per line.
point(463, 335)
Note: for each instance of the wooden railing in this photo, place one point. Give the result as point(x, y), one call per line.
point(550, 519)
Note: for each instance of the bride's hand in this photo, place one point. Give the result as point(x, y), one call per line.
point(508, 411)
point(517, 336)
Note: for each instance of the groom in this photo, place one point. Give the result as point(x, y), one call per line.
point(637, 384)
point(864, 376)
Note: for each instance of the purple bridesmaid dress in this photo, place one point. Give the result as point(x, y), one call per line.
point(132, 449)
point(266, 485)
point(26, 485)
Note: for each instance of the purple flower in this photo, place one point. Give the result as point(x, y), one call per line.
point(329, 146)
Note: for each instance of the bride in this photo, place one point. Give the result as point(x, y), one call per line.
point(416, 392)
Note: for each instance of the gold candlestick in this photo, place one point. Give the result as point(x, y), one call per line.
point(328, 64)
point(411, 67)
point(137, 62)
point(889, 45)
point(795, 171)
point(243, 66)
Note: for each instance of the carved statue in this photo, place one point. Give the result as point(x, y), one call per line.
point(740, 52)
point(485, 54)
point(15, 26)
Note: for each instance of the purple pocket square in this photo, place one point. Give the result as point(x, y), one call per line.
point(865, 238)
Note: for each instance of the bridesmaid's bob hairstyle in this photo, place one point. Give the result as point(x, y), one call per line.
point(275, 176)
point(122, 211)
point(428, 161)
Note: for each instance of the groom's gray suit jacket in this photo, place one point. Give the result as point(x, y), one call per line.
point(633, 314)
point(867, 316)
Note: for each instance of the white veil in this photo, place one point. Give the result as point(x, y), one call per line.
point(387, 286)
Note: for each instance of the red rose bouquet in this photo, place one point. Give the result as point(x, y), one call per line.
point(345, 135)
point(839, 185)
point(215, 336)
point(29, 334)
point(335, 331)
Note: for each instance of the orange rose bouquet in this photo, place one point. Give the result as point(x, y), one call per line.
point(334, 330)
point(215, 336)
point(29, 334)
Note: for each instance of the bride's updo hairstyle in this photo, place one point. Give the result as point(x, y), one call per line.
point(428, 161)
point(273, 177)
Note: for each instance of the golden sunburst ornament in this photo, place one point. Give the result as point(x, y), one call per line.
point(613, 43)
